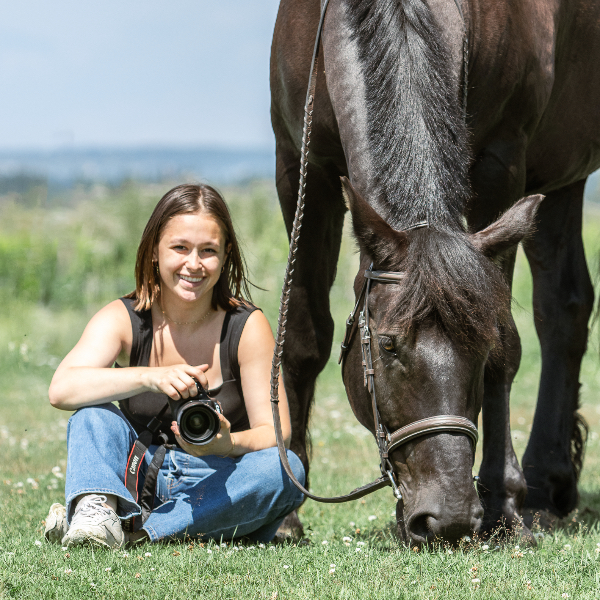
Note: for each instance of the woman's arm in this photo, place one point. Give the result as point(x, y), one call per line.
point(255, 353)
point(86, 378)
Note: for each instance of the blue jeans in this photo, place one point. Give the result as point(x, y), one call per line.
point(209, 497)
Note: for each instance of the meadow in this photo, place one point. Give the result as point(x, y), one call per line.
point(63, 259)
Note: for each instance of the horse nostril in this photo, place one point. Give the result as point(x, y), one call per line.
point(420, 529)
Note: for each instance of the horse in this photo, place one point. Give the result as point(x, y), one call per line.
point(441, 126)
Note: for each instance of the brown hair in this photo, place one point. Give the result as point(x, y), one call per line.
point(231, 289)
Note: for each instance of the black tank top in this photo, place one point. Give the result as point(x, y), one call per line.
point(139, 409)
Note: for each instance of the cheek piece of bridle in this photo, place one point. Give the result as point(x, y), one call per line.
point(386, 441)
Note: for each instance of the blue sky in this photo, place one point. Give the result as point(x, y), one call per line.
point(127, 72)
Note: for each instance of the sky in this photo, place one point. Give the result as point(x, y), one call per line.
point(131, 73)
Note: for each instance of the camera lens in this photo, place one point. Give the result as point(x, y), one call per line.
point(198, 423)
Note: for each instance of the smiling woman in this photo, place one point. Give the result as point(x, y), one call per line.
point(188, 328)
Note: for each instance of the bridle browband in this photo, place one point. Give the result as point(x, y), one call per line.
point(386, 441)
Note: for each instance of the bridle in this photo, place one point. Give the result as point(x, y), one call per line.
point(386, 441)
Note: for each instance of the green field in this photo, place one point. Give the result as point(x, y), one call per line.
point(60, 262)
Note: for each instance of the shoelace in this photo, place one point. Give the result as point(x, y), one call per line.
point(90, 507)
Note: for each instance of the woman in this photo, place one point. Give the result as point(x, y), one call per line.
point(187, 321)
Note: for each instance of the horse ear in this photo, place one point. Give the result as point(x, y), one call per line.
point(509, 229)
point(375, 237)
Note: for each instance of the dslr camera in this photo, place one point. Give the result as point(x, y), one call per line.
point(197, 418)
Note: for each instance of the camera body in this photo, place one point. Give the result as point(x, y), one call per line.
point(197, 418)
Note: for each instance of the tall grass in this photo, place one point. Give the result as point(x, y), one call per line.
point(58, 265)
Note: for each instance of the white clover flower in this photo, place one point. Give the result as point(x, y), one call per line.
point(152, 568)
point(37, 543)
point(372, 517)
point(476, 580)
point(567, 546)
point(360, 543)
point(286, 566)
point(324, 542)
point(68, 571)
point(148, 554)
point(565, 595)
point(449, 551)
point(359, 550)
point(223, 545)
point(331, 571)
point(107, 569)
point(332, 566)
point(64, 548)
point(209, 550)
point(125, 555)
point(352, 524)
point(485, 547)
point(598, 550)
point(516, 547)
point(346, 539)
point(261, 545)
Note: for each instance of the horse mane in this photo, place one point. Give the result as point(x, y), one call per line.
point(416, 128)
point(420, 155)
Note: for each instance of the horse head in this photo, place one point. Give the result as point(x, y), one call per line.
point(432, 333)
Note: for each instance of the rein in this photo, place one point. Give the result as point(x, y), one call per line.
point(386, 441)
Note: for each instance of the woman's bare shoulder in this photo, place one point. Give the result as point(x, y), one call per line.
point(107, 336)
point(257, 338)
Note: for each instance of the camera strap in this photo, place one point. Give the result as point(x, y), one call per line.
point(145, 496)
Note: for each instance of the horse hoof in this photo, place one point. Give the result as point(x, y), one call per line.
point(540, 520)
point(290, 529)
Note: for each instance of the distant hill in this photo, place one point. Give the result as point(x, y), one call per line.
point(58, 169)
point(65, 167)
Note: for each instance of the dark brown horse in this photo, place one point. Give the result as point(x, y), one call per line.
point(389, 116)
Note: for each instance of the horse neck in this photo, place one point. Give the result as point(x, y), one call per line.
point(395, 89)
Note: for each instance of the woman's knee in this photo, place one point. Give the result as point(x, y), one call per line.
point(296, 466)
point(274, 475)
point(104, 417)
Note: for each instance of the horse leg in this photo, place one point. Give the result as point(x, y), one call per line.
point(498, 179)
point(309, 323)
point(563, 298)
point(501, 484)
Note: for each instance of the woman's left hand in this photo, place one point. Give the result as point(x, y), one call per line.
point(222, 444)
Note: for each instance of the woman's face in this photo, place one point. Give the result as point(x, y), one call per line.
point(190, 253)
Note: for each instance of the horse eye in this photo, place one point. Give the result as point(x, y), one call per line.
point(386, 343)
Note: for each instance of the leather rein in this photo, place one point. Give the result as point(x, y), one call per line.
point(386, 441)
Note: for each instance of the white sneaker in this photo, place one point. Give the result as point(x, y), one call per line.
point(56, 523)
point(94, 523)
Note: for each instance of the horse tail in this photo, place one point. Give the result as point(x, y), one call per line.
point(579, 437)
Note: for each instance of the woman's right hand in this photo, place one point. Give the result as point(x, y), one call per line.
point(176, 381)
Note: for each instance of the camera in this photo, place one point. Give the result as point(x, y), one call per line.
point(198, 418)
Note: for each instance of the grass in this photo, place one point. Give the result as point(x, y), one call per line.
point(91, 240)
